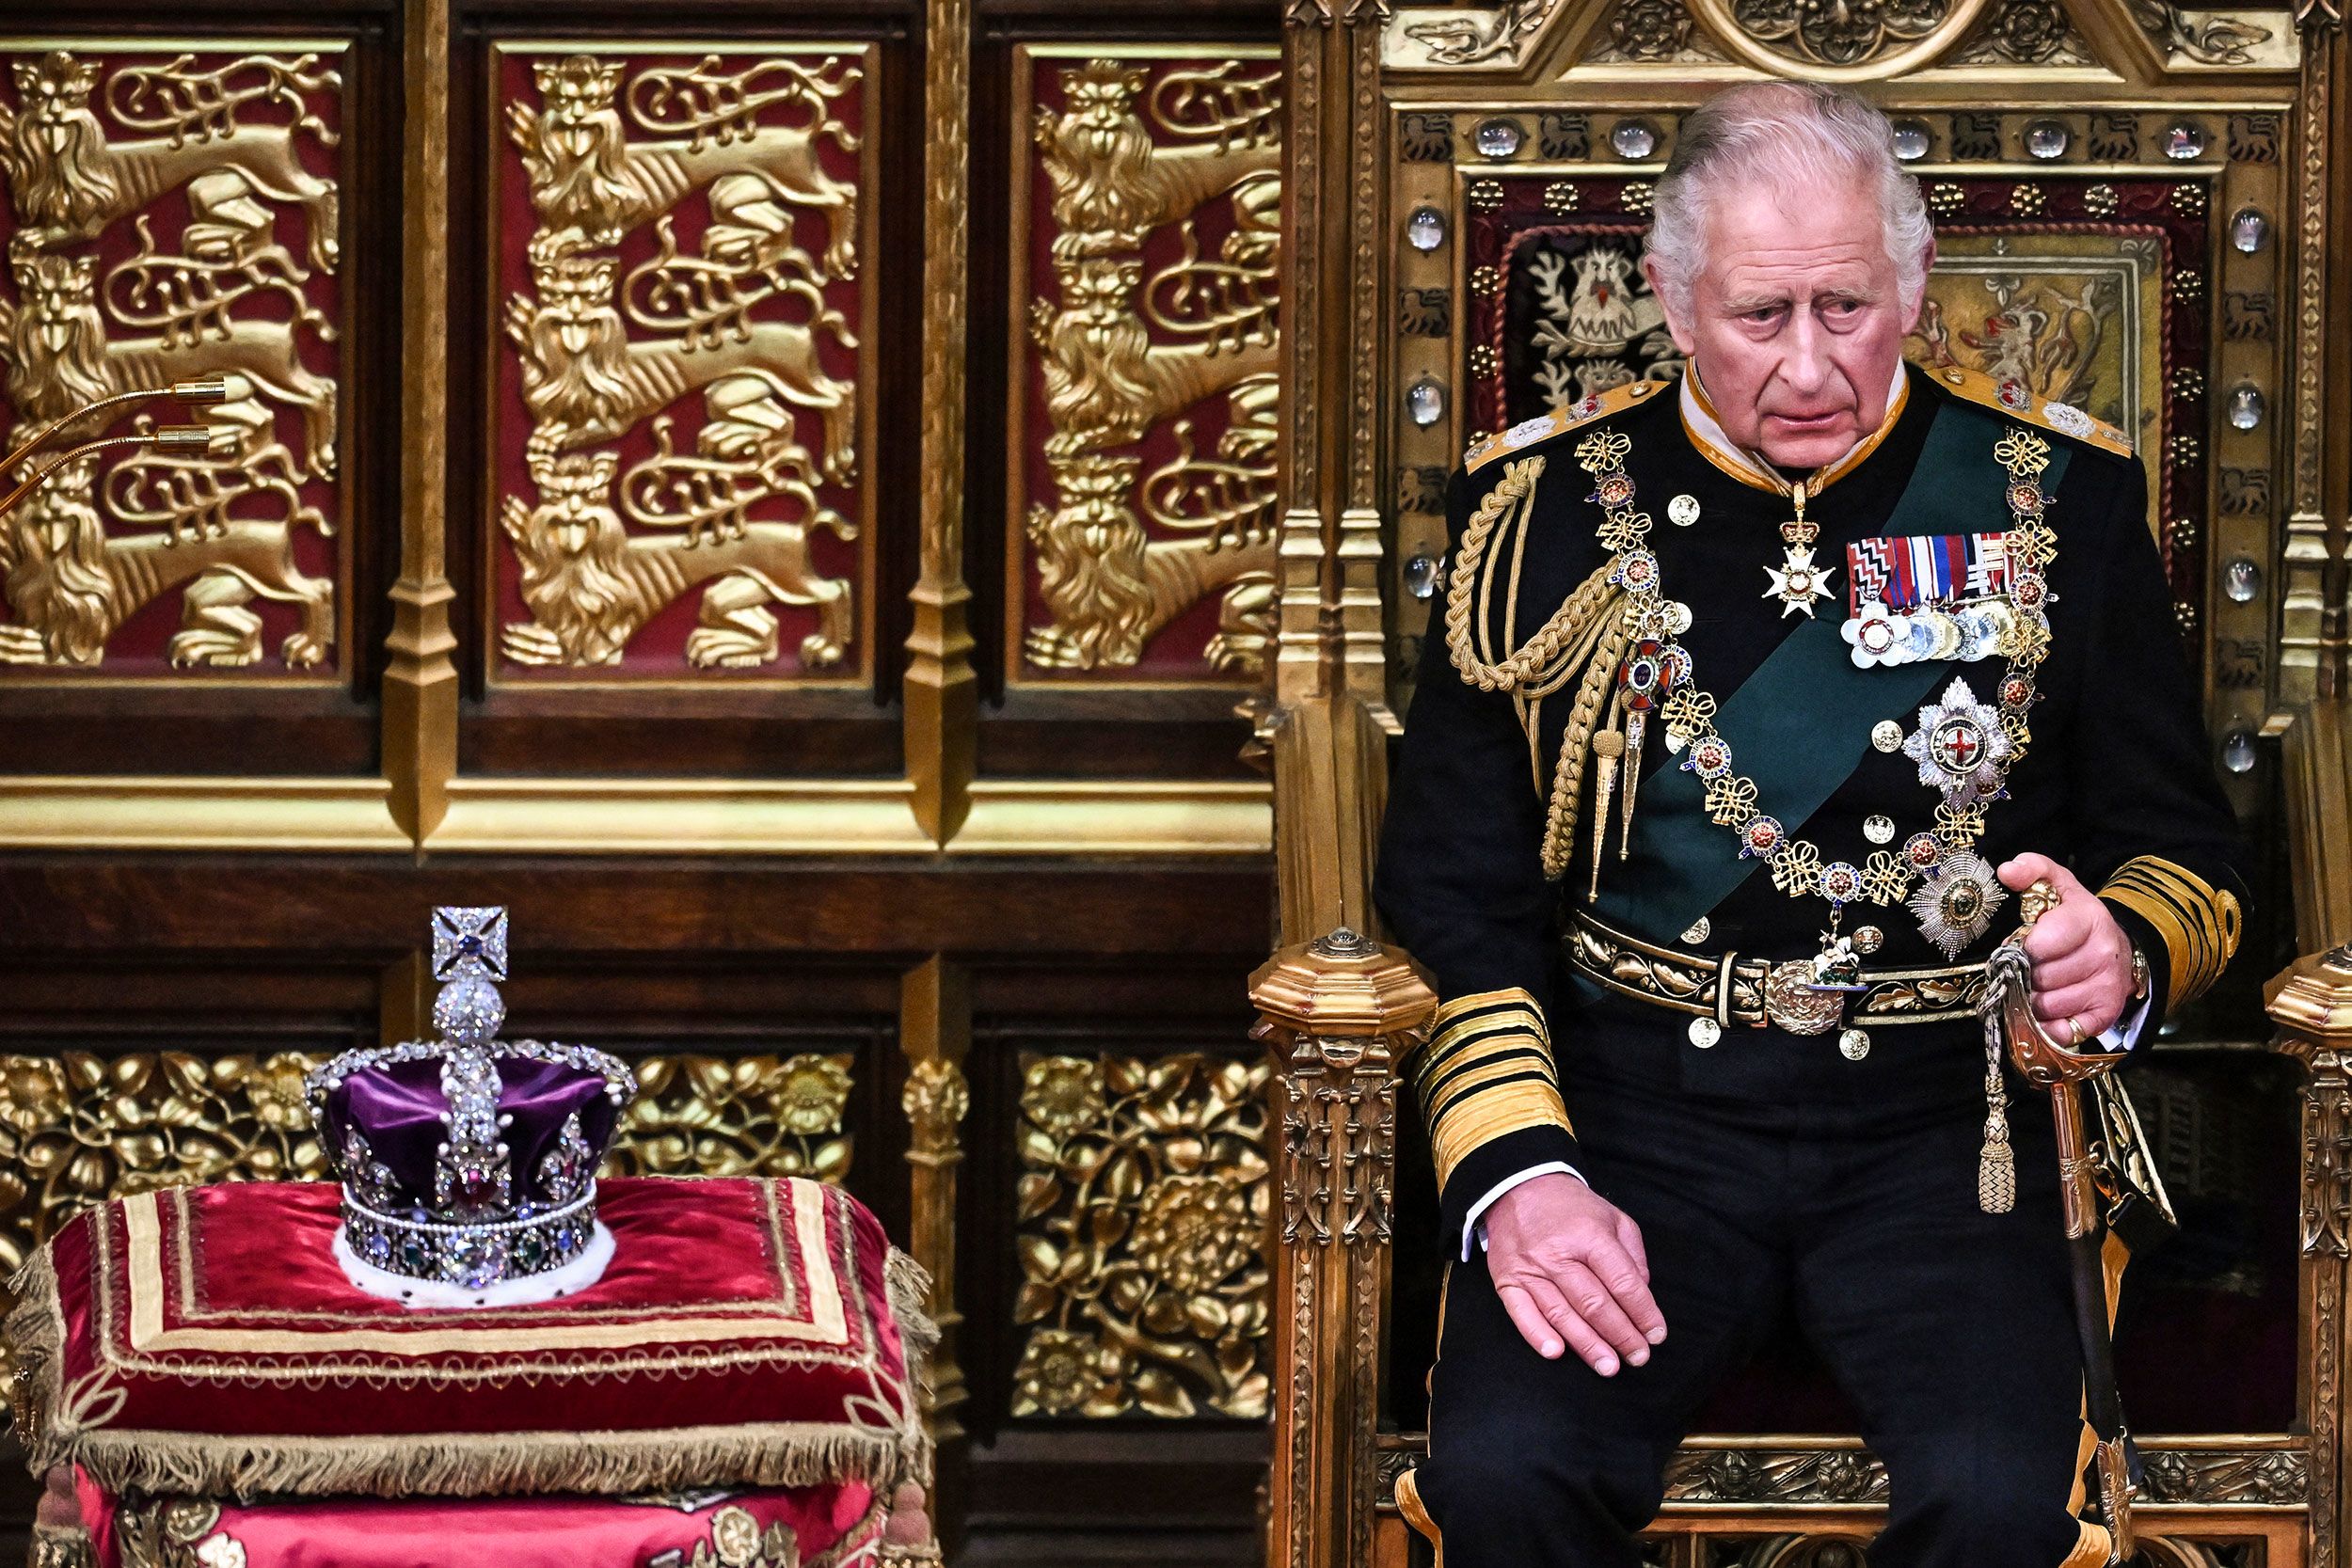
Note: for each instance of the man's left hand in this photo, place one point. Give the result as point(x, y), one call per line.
point(2082, 961)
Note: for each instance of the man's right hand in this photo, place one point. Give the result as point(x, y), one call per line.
point(1570, 1266)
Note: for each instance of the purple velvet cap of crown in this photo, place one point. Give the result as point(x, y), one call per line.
point(397, 1107)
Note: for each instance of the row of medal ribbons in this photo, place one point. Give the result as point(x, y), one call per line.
point(1930, 596)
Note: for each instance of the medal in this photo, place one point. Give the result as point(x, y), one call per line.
point(1955, 905)
point(1797, 582)
point(1913, 597)
point(1960, 746)
point(1877, 635)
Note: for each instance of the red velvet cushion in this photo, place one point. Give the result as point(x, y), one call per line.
point(822, 1525)
point(203, 1341)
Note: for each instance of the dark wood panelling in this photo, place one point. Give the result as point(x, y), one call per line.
point(1123, 911)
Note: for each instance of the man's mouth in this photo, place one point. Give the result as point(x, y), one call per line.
point(1809, 421)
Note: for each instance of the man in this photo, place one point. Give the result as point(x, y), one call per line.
point(1753, 706)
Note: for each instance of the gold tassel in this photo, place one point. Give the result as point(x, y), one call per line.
point(1608, 745)
point(1996, 1164)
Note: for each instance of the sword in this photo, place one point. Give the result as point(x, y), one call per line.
point(2062, 1071)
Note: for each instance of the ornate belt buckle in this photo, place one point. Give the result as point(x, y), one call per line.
point(1795, 998)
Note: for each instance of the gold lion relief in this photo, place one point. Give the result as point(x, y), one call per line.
point(590, 184)
point(1134, 355)
point(220, 526)
point(586, 380)
point(72, 586)
point(591, 584)
point(70, 181)
point(744, 322)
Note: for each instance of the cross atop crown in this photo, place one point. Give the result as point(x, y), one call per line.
point(469, 939)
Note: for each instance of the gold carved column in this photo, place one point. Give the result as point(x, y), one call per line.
point(2312, 1004)
point(1338, 1013)
point(420, 678)
point(1326, 718)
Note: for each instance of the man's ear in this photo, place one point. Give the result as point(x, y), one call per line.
point(1927, 265)
point(1676, 326)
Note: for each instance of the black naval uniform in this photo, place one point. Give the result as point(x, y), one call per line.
point(1770, 1172)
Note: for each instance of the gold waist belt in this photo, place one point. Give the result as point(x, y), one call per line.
point(1744, 988)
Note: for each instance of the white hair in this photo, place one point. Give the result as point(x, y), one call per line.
point(1794, 136)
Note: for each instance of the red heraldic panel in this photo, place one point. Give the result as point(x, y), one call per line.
point(173, 216)
point(682, 480)
point(1144, 373)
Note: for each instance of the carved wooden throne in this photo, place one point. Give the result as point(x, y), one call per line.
point(2132, 201)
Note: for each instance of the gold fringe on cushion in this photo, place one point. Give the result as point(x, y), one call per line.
point(62, 1546)
point(910, 1287)
point(35, 1330)
point(474, 1465)
point(58, 1431)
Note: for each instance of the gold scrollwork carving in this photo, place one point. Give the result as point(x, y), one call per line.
point(1838, 40)
point(730, 1116)
point(750, 322)
point(1131, 351)
point(2026, 32)
point(2327, 1158)
point(1651, 32)
point(81, 557)
point(1141, 1205)
point(1494, 36)
point(2199, 37)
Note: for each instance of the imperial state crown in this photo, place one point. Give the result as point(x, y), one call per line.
point(469, 1162)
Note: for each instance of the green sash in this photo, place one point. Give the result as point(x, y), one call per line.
point(1800, 723)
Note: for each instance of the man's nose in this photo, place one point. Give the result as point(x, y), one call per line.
point(1804, 363)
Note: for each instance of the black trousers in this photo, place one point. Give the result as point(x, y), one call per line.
point(1950, 1330)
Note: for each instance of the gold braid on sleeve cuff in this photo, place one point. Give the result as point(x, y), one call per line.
point(2199, 922)
point(1487, 1072)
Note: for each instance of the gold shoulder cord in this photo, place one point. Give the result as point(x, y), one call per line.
point(1582, 643)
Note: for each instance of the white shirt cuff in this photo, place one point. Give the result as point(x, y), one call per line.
point(2123, 1034)
point(1470, 1225)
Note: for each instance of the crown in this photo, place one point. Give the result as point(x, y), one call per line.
point(469, 1161)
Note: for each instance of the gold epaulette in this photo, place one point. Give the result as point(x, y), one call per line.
point(1585, 411)
point(2018, 400)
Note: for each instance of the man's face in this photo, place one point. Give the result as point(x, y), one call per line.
point(1795, 323)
